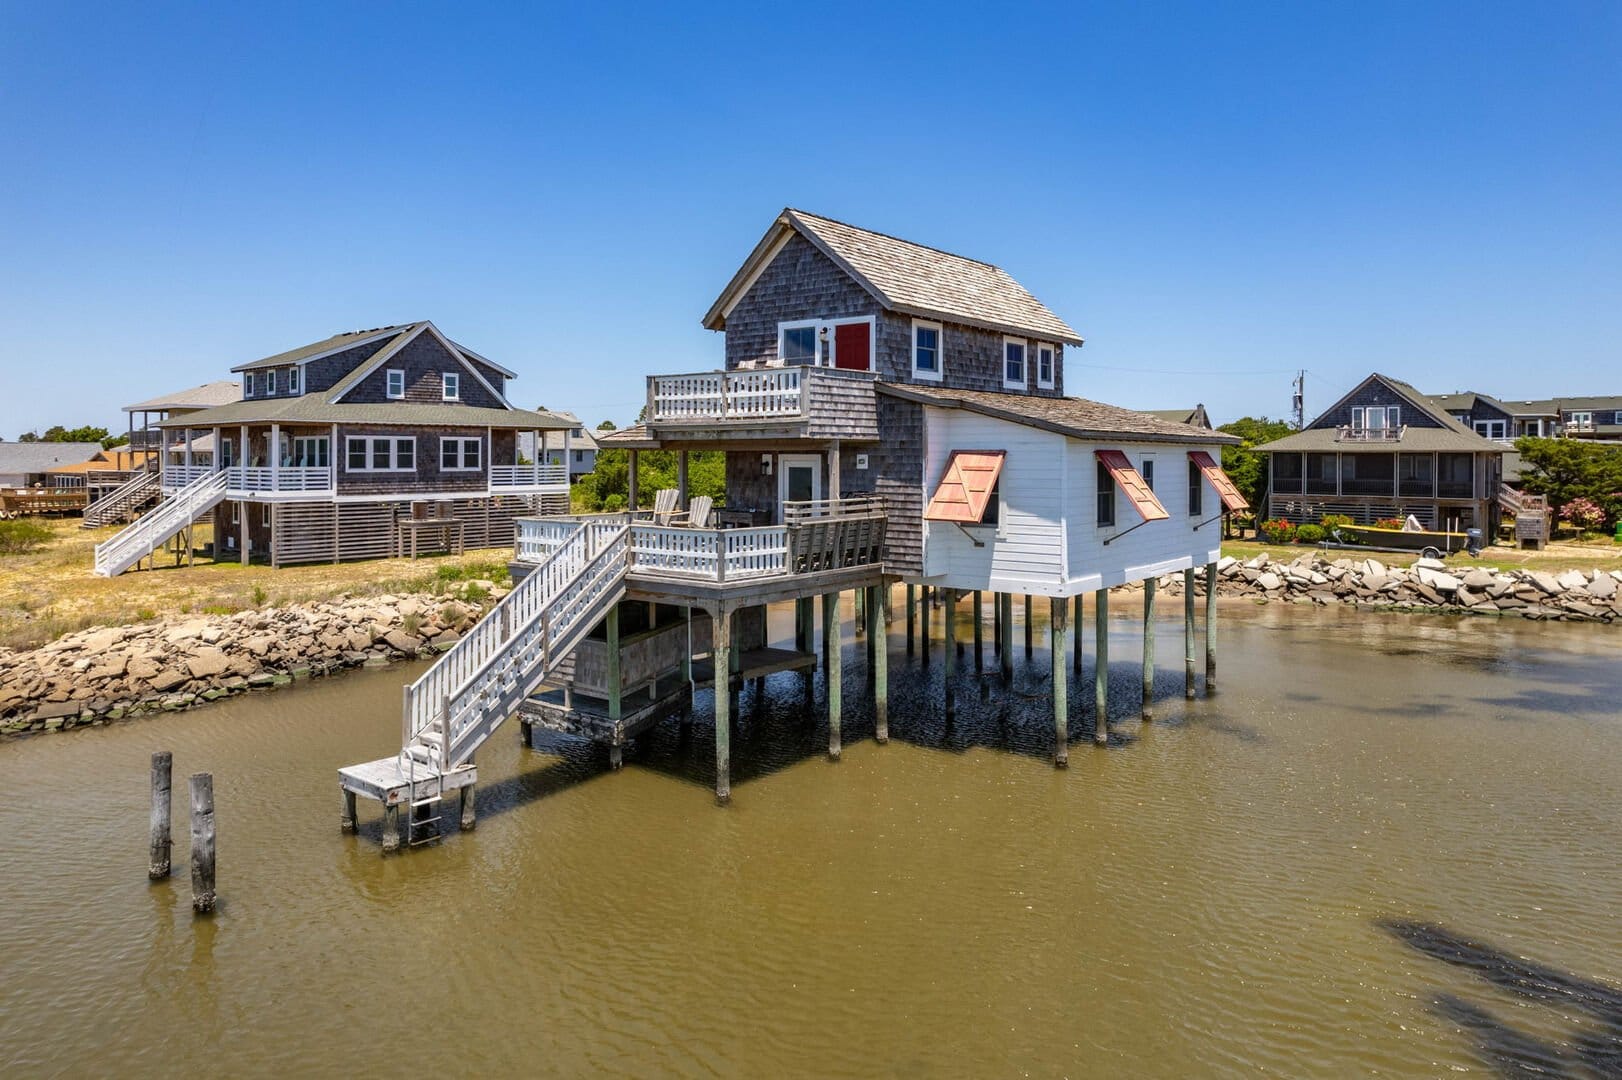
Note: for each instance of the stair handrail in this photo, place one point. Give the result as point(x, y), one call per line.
point(138, 483)
point(183, 502)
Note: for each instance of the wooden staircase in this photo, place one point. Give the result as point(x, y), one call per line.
point(125, 501)
point(1532, 518)
point(149, 532)
point(474, 687)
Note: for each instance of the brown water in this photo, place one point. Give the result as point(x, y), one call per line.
point(1216, 894)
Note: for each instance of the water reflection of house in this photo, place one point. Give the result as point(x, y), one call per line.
point(1386, 450)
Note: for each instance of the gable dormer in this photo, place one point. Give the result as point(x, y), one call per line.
point(818, 291)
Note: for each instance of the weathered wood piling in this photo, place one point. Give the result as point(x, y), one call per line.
point(835, 676)
point(1210, 628)
point(878, 634)
point(950, 616)
point(1188, 633)
point(979, 632)
point(202, 843)
point(1059, 613)
point(722, 656)
point(1101, 666)
point(160, 842)
point(1149, 586)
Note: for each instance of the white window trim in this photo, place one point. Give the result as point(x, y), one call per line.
point(293, 448)
point(461, 453)
point(1146, 469)
point(388, 376)
point(394, 453)
point(1024, 382)
point(940, 342)
point(293, 379)
point(796, 324)
point(264, 514)
point(872, 340)
point(247, 383)
point(1053, 365)
point(1485, 429)
point(445, 387)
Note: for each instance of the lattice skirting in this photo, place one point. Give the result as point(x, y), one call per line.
point(338, 532)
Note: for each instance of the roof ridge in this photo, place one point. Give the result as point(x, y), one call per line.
point(892, 236)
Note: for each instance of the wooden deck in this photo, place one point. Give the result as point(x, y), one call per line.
point(386, 781)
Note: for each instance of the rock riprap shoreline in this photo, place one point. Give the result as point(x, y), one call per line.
point(100, 675)
point(1427, 585)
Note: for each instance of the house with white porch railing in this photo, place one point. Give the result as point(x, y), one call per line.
point(366, 444)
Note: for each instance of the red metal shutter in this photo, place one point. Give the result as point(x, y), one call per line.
point(1218, 479)
point(965, 487)
point(1131, 484)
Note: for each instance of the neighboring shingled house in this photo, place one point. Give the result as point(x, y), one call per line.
point(1195, 417)
point(25, 464)
point(575, 447)
point(1385, 450)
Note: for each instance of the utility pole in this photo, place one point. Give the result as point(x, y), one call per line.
point(1298, 401)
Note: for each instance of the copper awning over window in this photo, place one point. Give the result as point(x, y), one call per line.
point(1137, 492)
point(1225, 488)
point(965, 487)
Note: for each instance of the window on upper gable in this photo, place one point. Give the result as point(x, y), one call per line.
point(451, 386)
point(1013, 364)
point(1106, 496)
point(270, 383)
point(1146, 469)
point(926, 350)
point(247, 384)
point(1044, 366)
point(797, 344)
point(394, 383)
point(293, 379)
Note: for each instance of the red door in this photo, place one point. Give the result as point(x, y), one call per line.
point(852, 346)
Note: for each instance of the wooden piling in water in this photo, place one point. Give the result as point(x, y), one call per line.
point(830, 632)
point(1029, 629)
point(878, 634)
point(979, 632)
point(1210, 628)
point(350, 822)
point(721, 650)
point(1005, 656)
point(202, 843)
point(469, 818)
point(912, 616)
point(159, 843)
point(1188, 633)
point(1059, 612)
point(1149, 587)
point(1079, 623)
point(1101, 666)
point(950, 616)
point(923, 623)
point(391, 828)
point(996, 623)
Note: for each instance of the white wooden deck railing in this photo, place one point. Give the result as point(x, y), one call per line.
point(763, 394)
point(285, 478)
point(176, 477)
point(505, 476)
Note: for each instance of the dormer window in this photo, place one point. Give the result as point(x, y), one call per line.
point(1044, 366)
point(270, 383)
point(247, 384)
point(293, 380)
point(394, 384)
point(451, 386)
point(1013, 364)
point(1376, 421)
point(926, 350)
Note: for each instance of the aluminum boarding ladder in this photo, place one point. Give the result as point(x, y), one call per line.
point(147, 533)
point(474, 687)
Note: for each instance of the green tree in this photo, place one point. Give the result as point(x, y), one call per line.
point(58, 433)
point(1565, 469)
point(1244, 464)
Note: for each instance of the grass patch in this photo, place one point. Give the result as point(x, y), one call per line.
point(19, 536)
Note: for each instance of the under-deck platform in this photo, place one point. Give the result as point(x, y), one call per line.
point(386, 781)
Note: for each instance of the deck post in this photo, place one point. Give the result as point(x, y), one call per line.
point(912, 616)
point(722, 652)
point(858, 612)
point(1150, 585)
point(630, 491)
point(950, 628)
point(878, 638)
point(979, 632)
point(202, 843)
point(158, 849)
point(469, 818)
point(242, 509)
point(1078, 622)
point(350, 822)
point(1029, 629)
point(804, 636)
point(1210, 628)
point(681, 479)
point(615, 696)
point(1059, 612)
point(996, 622)
point(830, 641)
point(391, 828)
point(1188, 633)
point(923, 614)
point(1101, 666)
point(1006, 653)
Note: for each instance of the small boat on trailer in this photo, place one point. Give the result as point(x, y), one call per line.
point(1434, 545)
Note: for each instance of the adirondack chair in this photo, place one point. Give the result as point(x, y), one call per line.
point(664, 506)
point(699, 513)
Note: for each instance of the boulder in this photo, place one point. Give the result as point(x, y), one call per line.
point(143, 667)
point(402, 641)
point(1546, 583)
point(1572, 579)
point(1435, 578)
point(207, 662)
point(1270, 581)
point(168, 679)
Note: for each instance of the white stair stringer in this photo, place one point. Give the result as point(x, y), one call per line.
point(473, 688)
point(124, 501)
point(149, 532)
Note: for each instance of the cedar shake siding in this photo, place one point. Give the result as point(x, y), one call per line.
point(324, 374)
point(496, 379)
point(423, 360)
point(803, 283)
point(428, 477)
point(1375, 392)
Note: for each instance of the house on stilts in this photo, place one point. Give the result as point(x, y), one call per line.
point(367, 444)
point(891, 414)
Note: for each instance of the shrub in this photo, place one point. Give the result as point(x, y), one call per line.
point(1310, 534)
point(1388, 523)
point(1335, 521)
point(1277, 531)
point(259, 595)
point(1586, 514)
point(19, 536)
point(475, 592)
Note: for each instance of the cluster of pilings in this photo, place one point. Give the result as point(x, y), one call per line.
point(159, 842)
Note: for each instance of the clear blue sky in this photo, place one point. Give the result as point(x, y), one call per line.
point(1213, 194)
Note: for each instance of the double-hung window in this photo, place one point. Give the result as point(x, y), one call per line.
point(797, 343)
point(926, 350)
point(394, 383)
point(247, 384)
point(374, 453)
point(1196, 490)
point(1044, 366)
point(1013, 364)
point(270, 383)
point(1146, 469)
point(459, 455)
point(450, 386)
point(293, 379)
point(1106, 496)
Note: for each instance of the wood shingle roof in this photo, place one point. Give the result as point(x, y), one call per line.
point(1075, 417)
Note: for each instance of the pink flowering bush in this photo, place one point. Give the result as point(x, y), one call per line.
point(1586, 514)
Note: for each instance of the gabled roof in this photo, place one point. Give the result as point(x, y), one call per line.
point(406, 336)
point(349, 339)
point(1195, 416)
point(206, 396)
point(122, 459)
point(1539, 407)
point(40, 457)
point(904, 277)
point(586, 440)
point(314, 409)
point(1450, 436)
point(1074, 417)
point(1604, 402)
point(1465, 400)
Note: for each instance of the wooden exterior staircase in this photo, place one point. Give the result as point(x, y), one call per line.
point(1532, 518)
point(149, 532)
point(125, 501)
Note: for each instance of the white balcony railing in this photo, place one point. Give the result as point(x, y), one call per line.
point(253, 478)
point(763, 394)
point(1347, 433)
point(516, 476)
point(176, 477)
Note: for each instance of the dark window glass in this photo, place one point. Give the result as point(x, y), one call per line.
point(1287, 473)
point(1147, 471)
point(1106, 496)
point(1367, 474)
point(928, 348)
point(357, 453)
point(993, 514)
point(1321, 474)
point(800, 345)
point(447, 454)
point(1013, 362)
point(380, 453)
point(1453, 476)
point(1196, 490)
point(405, 453)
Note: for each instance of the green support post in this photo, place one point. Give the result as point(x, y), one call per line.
point(1101, 665)
point(830, 644)
point(1188, 633)
point(951, 649)
point(1059, 609)
point(979, 632)
point(1030, 629)
point(722, 649)
point(1149, 586)
point(1210, 628)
